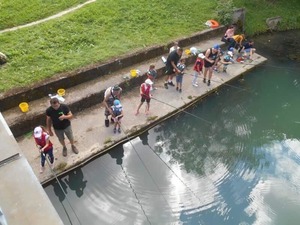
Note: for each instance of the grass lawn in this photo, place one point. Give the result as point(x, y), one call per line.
point(19, 12)
point(107, 28)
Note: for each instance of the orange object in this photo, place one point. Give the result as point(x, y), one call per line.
point(213, 24)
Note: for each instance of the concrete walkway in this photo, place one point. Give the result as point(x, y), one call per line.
point(93, 138)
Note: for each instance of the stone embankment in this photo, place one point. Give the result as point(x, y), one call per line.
point(86, 85)
point(84, 99)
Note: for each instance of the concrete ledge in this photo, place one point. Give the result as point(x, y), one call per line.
point(12, 98)
point(21, 123)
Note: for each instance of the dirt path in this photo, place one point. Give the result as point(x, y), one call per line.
point(48, 18)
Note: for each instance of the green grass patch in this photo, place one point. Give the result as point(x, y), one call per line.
point(18, 12)
point(259, 10)
point(106, 29)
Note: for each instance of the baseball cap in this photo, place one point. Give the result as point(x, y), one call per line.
point(216, 46)
point(230, 53)
point(201, 55)
point(148, 81)
point(37, 133)
point(231, 49)
point(117, 102)
point(116, 88)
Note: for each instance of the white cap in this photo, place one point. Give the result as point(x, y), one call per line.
point(37, 132)
point(201, 56)
point(230, 53)
point(148, 81)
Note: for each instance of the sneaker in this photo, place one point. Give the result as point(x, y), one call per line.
point(119, 130)
point(166, 85)
point(176, 88)
point(42, 168)
point(180, 90)
point(195, 85)
point(204, 80)
point(65, 153)
point(115, 130)
point(74, 149)
point(171, 83)
point(208, 82)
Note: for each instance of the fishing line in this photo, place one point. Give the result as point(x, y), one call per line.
point(279, 67)
point(122, 127)
point(182, 110)
point(129, 181)
point(223, 83)
point(134, 192)
point(174, 173)
point(53, 173)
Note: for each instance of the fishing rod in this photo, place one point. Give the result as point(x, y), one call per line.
point(65, 194)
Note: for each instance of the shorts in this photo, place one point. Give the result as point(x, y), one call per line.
point(208, 64)
point(247, 50)
point(143, 99)
point(169, 71)
point(179, 78)
point(61, 133)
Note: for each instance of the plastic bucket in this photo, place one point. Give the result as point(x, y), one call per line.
point(187, 51)
point(133, 73)
point(61, 92)
point(24, 106)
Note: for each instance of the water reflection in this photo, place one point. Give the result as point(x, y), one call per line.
point(76, 182)
point(118, 154)
point(60, 189)
point(241, 166)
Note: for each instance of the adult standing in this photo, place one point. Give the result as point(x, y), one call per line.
point(59, 116)
point(171, 66)
point(111, 94)
point(210, 60)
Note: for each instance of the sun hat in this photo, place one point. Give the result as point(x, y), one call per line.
point(117, 102)
point(37, 132)
point(201, 55)
point(116, 88)
point(148, 81)
point(216, 46)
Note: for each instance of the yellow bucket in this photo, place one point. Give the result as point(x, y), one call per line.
point(133, 73)
point(61, 92)
point(24, 106)
point(187, 51)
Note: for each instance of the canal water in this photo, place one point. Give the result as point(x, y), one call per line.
point(234, 158)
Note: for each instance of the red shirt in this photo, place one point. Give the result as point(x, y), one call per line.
point(145, 90)
point(42, 142)
point(198, 65)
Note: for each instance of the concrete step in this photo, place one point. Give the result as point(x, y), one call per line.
point(86, 88)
